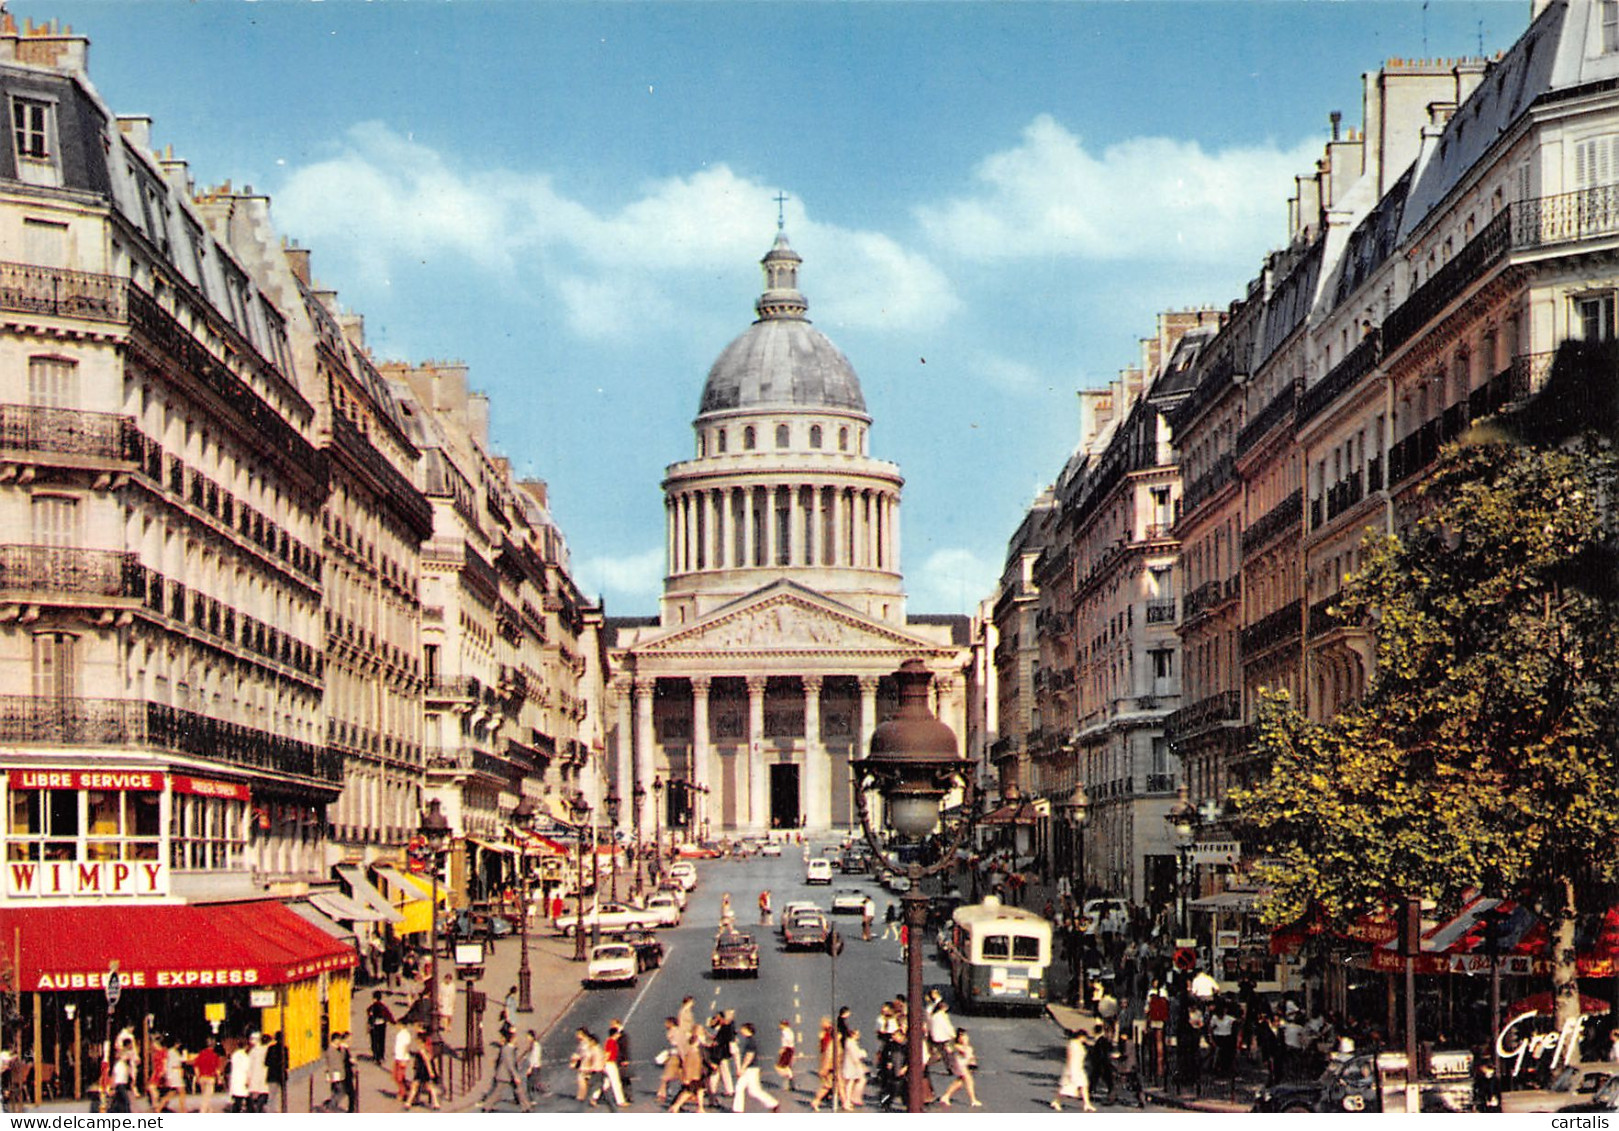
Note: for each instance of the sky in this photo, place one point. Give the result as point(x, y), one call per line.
point(992, 201)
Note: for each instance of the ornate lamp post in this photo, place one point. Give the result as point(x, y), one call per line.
point(913, 763)
point(1182, 818)
point(523, 814)
point(1079, 815)
point(637, 797)
point(612, 829)
point(435, 832)
point(581, 811)
point(657, 835)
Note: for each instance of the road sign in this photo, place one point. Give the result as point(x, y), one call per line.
point(114, 986)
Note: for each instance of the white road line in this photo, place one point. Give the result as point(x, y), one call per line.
point(636, 1004)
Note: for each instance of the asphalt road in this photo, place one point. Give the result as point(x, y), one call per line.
point(1019, 1056)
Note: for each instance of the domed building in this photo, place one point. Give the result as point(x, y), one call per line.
point(783, 610)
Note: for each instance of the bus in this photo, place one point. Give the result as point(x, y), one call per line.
point(999, 956)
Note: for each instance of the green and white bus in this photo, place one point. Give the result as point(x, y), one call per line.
point(1000, 957)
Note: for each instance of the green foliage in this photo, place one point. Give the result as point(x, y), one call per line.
point(1487, 752)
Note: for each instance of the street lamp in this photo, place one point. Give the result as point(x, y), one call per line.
point(912, 763)
point(612, 827)
point(1079, 815)
point(657, 834)
point(581, 810)
point(1182, 818)
point(523, 815)
point(637, 799)
point(435, 833)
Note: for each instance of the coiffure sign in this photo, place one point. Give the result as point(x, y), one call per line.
point(1525, 1041)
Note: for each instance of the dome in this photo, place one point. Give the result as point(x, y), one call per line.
point(781, 360)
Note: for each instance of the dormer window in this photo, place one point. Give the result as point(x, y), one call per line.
point(30, 129)
point(1610, 26)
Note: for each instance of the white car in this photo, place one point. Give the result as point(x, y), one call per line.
point(611, 962)
point(818, 871)
point(1109, 916)
point(684, 871)
point(667, 907)
point(848, 901)
point(773, 848)
point(675, 888)
point(609, 917)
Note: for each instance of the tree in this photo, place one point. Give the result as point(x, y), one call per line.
point(1486, 753)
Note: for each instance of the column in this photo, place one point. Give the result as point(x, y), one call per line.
point(772, 529)
point(893, 533)
point(871, 529)
point(643, 748)
point(726, 549)
point(671, 544)
point(868, 723)
point(817, 788)
point(750, 808)
point(795, 527)
point(699, 741)
point(623, 772)
point(749, 525)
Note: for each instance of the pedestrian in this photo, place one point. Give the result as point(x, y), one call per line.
point(725, 1048)
point(941, 1031)
point(1158, 1028)
point(853, 1071)
point(508, 1005)
point(377, 1019)
point(423, 1073)
point(1075, 1081)
point(1127, 1068)
point(205, 1068)
point(626, 1061)
point(337, 1076)
point(1486, 1087)
point(788, 1045)
point(890, 923)
point(1222, 1029)
point(826, 1073)
point(258, 1076)
point(241, 1070)
point(747, 1080)
point(904, 940)
point(578, 1062)
point(612, 1079)
point(668, 1059)
point(893, 1061)
point(865, 921)
point(402, 1042)
point(154, 1075)
point(506, 1074)
point(693, 1073)
point(764, 908)
point(390, 967)
point(962, 1060)
point(533, 1062)
point(727, 916)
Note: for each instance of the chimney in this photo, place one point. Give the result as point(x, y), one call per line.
point(1336, 117)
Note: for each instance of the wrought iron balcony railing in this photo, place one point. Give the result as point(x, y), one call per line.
point(1223, 706)
point(1273, 522)
point(1280, 409)
point(68, 432)
point(1279, 627)
point(68, 569)
point(29, 289)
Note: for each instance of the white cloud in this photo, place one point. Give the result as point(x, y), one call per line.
point(385, 199)
point(1151, 197)
point(624, 580)
point(951, 581)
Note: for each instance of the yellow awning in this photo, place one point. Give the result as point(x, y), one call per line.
point(412, 895)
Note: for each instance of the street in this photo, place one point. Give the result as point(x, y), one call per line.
point(1020, 1056)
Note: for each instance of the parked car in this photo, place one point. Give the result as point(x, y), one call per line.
point(693, 851)
point(855, 862)
point(481, 925)
point(805, 929)
point(608, 917)
point(818, 871)
point(1573, 1084)
point(771, 848)
point(675, 888)
point(1606, 1099)
point(684, 871)
point(666, 906)
point(852, 901)
point(735, 953)
point(613, 962)
point(1108, 916)
point(648, 948)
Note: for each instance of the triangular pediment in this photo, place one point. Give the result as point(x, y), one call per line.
point(786, 618)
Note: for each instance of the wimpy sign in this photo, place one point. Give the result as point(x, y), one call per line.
point(86, 878)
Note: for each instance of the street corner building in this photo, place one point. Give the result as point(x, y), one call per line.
point(783, 613)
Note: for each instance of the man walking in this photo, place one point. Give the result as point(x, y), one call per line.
point(505, 1075)
point(377, 1019)
point(747, 1081)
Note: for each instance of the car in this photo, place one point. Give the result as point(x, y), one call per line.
point(1606, 1099)
point(735, 952)
point(793, 906)
point(1573, 1084)
point(648, 948)
point(897, 883)
point(612, 962)
point(608, 917)
point(852, 901)
point(481, 925)
point(677, 889)
point(691, 851)
point(805, 930)
point(666, 906)
point(1109, 916)
point(818, 871)
point(773, 848)
point(684, 871)
point(854, 863)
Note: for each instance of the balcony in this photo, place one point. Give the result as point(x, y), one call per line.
point(1274, 522)
point(454, 687)
point(67, 432)
point(1566, 217)
point(30, 720)
point(1341, 377)
point(1220, 473)
point(28, 289)
point(1161, 610)
point(394, 487)
point(1221, 707)
point(1481, 253)
point(1280, 627)
point(61, 570)
point(1279, 409)
point(1161, 783)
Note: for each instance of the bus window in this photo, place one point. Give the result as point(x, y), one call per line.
point(996, 946)
point(1026, 948)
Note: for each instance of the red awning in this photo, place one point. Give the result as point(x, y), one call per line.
point(259, 943)
point(1023, 814)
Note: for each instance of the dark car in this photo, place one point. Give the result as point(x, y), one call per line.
point(648, 947)
point(805, 929)
point(1606, 1099)
point(481, 925)
point(855, 863)
point(735, 953)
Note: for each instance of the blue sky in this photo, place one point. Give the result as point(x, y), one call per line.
point(992, 201)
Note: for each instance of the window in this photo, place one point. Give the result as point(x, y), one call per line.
point(55, 667)
point(1595, 313)
point(843, 439)
point(55, 520)
point(719, 440)
point(1163, 663)
point(815, 435)
point(53, 382)
point(749, 438)
point(44, 243)
point(1610, 26)
point(996, 946)
point(207, 832)
point(1025, 948)
point(1594, 162)
point(782, 435)
point(30, 129)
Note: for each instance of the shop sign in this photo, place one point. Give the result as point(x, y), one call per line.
point(1518, 1043)
point(261, 999)
point(149, 979)
point(86, 878)
point(213, 1011)
point(84, 779)
point(203, 787)
point(1215, 852)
